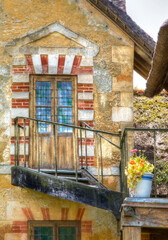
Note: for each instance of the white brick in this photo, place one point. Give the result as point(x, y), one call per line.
point(85, 115)
point(89, 134)
point(19, 61)
point(122, 114)
point(52, 64)
point(20, 112)
point(12, 132)
point(68, 64)
point(88, 79)
point(87, 96)
point(37, 64)
point(20, 95)
point(21, 149)
point(111, 171)
point(20, 78)
point(90, 151)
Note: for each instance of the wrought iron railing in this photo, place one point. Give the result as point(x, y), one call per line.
point(141, 144)
point(79, 136)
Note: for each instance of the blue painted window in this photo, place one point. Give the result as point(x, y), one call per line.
point(64, 105)
point(43, 105)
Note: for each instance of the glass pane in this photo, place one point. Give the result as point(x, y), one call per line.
point(44, 113)
point(64, 112)
point(43, 93)
point(43, 233)
point(64, 93)
point(43, 99)
point(67, 233)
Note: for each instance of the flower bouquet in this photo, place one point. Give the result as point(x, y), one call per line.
point(136, 169)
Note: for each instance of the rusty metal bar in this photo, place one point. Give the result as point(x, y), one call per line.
point(37, 142)
point(81, 148)
point(16, 141)
point(97, 155)
point(75, 156)
point(18, 144)
point(86, 149)
point(24, 132)
point(55, 152)
point(101, 160)
point(68, 125)
point(155, 185)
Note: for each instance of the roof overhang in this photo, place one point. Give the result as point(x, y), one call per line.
point(144, 44)
point(158, 77)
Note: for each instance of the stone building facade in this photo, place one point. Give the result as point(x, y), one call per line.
point(60, 39)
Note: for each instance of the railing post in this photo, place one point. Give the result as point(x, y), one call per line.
point(121, 152)
point(154, 135)
point(81, 148)
point(86, 148)
point(37, 143)
point(15, 140)
point(101, 159)
point(75, 156)
point(55, 152)
point(125, 162)
point(24, 142)
point(18, 144)
point(98, 167)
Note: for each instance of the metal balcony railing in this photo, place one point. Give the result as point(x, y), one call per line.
point(27, 133)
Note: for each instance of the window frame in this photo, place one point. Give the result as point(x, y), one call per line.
point(54, 79)
point(55, 224)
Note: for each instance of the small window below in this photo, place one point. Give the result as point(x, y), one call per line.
point(54, 230)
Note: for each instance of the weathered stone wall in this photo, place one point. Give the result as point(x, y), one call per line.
point(152, 113)
point(18, 205)
point(108, 74)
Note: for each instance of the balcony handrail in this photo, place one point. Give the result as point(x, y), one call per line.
point(87, 128)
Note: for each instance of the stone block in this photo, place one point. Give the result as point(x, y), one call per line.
point(15, 236)
point(85, 79)
point(126, 99)
point(86, 62)
point(90, 151)
point(20, 112)
point(89, 134)
point(123, 114)
point(20, 78)
point(20, 95)
point(109, 171)
point(123, 86)
point(5, 70)
point(19, 61)
point(103, 80)
point(21, 149)
point(85, 96)
point(12, 134)
point(122, 54)
point(85, 115)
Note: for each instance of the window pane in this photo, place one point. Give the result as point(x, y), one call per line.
point(67, 233)
point(64, 114)
point(43, 99)
point(43, 93)
point(43, 113)
point(43, 233)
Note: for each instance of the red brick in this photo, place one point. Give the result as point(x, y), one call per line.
point(76, 64)
point(61, 62)
point(30, 66)
point(85, 70)
point(44, 62)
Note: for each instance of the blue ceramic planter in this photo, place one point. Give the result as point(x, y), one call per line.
point(143, 188)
